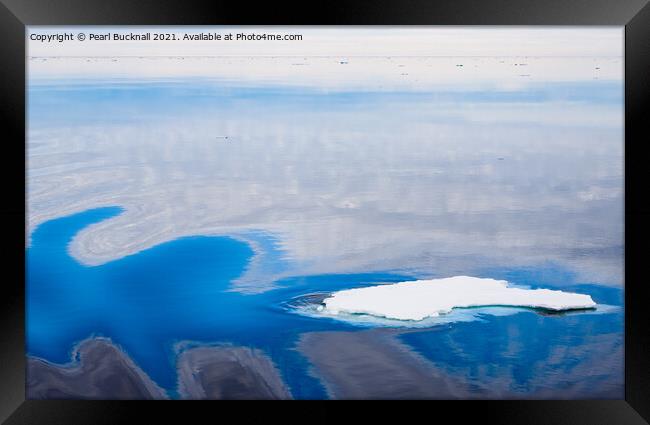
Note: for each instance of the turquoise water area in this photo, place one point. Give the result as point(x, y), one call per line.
point(180, 290)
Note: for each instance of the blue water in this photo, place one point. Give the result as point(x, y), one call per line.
point(181, 290)
point(121, 102)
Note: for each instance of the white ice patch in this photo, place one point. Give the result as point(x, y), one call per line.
point(421, 299)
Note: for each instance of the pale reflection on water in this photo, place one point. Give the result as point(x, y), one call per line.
point(432, 182)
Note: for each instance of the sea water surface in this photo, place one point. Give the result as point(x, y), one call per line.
point(178, 291)
point(210, 211)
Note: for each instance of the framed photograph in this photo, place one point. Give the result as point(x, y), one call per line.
point(362, 201)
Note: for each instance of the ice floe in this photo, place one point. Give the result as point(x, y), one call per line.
point(421, 299)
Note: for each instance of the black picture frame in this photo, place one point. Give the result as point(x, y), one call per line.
point(15, 15)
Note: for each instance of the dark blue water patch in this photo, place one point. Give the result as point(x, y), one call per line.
point(142, 301)
point(530, 355)
point(182, 291)
point(542, 354)
point(175, 291)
